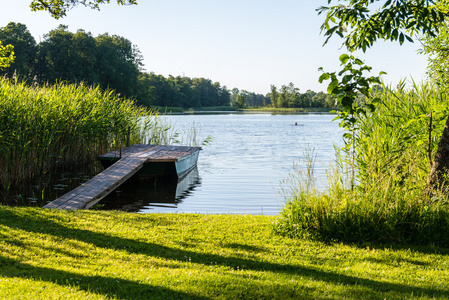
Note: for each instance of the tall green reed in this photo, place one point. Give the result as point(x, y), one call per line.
point(396, 142)
point(392, 161)
point(48, 128)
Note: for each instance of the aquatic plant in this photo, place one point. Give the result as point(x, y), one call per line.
point(49, 128)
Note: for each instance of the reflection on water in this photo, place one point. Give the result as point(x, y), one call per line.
point(158, 193)
point(48, 187)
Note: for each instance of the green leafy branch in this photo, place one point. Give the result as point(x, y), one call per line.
point(395, 20)
point(348, 86)
point(59, 8)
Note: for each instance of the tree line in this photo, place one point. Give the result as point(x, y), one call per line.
point(113, 62)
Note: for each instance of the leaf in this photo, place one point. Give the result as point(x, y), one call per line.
point(401, 38)
point(394, 34)
point(371, 107)
point(344, 58)
point(346, 102)
point(347, 78)
point(331, 87)
point(347, 135)
point(358, 62)
point(324, 76)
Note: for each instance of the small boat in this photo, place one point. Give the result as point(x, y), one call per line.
point(161, 160)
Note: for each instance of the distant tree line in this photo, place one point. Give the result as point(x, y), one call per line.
point(180, 91)
point(109, 61)
point(113, 62)
point(289, 96)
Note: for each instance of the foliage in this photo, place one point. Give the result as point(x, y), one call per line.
point(6, 55)
point(395, 145)
point(185, 92)
point(240, 101)
point(360, 28)
point(289, 96)
point(250, 99)
point(347, 90)
point(25, 49)
point(113, 62)
point(53, 127)
point(397, 20)
point(436, 47)
point(110, 61)
point(59, 8)
point(392, 150)
point(56, 254)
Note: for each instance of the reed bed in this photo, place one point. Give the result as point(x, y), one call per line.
point(51, 128)
point(393, 147)
point(396, 144)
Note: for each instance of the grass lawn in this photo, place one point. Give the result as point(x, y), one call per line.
point(47, 254)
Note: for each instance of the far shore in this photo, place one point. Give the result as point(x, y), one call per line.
point(231, 109)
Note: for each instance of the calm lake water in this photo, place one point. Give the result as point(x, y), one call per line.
point(242, 169)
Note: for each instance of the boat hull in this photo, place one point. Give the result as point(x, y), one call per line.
point(153, 168)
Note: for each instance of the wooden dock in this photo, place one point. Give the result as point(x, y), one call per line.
point(132, 160)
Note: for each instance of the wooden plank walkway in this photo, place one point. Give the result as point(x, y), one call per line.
point(133, 158)
point(153, 153)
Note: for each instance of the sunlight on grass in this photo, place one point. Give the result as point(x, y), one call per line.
point(113, 255)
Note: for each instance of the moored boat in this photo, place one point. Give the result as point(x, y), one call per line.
point(161, 161)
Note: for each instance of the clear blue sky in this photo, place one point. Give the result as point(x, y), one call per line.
point(246, 44)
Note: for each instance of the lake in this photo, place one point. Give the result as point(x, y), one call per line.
point(242, 170)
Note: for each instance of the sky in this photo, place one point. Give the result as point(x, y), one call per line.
point(244, 44)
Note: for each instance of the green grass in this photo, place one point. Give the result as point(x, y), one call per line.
point(47, 254)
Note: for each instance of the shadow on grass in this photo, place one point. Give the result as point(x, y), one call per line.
point(116, 288)
point(237, 246)
point(43, 225)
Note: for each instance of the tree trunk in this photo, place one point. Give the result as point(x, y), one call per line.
point(440, 166)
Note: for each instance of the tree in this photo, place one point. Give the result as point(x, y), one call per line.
point(119, 63)
point(293, 96)
point(6, 55)
point(112, 62)
point(240, 101)
point(273, 95)
point(282, 99)
point(67, 56)
point(59, 8)
point(25, 49)
point(57, 56)
point(361, 23)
